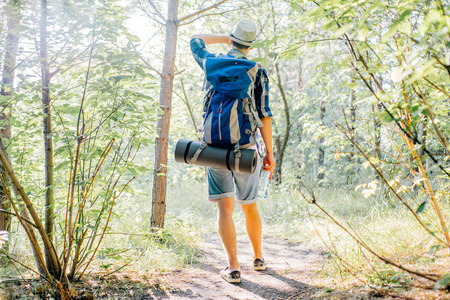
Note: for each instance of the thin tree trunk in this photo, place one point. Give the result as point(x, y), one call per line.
point(421, 137)
point(165, 99)
point(300, 77)
point(185, 99)
point(38, 257)
point(48, 245)
point(352, 110)
point(432, 197)
point(48, 141)
point(321, 160)
point(376, 132)
point(11, 44)
point(351, 158)
point(281, 145)
point(280, 142)
point(299, 152)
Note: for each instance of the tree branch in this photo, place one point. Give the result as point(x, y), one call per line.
point(146, 63)
point(153, 18)
point(158, 13)
point(212, 14)
point(13, 214)
point(360, 242)
point(200, 11)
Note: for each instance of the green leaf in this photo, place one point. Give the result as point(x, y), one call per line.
point(423, 71)
point(366, 164)
point(396, 26)
point(434, 248)
point(362, 34)
point(106, 266)
point(414, 108)
point(133, 38)
point(431, 18)
point(295, 6)
point(62, 165)
point(398, 74)
point(421, 207)
point(386, 116)
point(116, 79)
point(343, 30)
point(443, 283)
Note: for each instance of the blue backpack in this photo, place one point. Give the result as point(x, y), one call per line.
point(230, 119)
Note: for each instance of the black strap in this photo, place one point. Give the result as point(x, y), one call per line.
point(228, 158)
point(228, 78)
point(187, 151)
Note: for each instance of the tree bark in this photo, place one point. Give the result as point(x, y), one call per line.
point(376, 131)
point(299, 151)
point(165, 102)
point(11, 44)
point(282, 143)
point(48, 141)
point(321, 160)
point(351, 158)
point(422, 137)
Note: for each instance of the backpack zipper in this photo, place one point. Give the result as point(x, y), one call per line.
point(220, 113)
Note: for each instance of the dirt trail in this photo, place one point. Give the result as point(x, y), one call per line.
point(291, 273)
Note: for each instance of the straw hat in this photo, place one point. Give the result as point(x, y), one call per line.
point(244, 33)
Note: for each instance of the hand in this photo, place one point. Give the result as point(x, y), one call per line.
point(230, 41)
point(269, 163)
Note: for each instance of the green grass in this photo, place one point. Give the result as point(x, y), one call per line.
point(391, 232)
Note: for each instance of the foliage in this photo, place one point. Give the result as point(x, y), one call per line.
point(102, 114)
point(366, 89)
point(398, 55)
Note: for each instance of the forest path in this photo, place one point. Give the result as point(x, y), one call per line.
point(292, 270)
point(292, 273)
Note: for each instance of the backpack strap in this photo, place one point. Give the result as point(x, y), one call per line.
point(252, 73)
point(197, 153)
point(237, 156)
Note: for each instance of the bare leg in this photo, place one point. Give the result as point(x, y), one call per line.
point(254, 228)
point(227, 230)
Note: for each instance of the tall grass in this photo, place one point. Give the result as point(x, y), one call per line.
point(392, 232)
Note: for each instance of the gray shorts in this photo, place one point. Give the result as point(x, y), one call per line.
point(221, 184)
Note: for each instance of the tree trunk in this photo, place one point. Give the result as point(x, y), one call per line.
point(376, 132)
point(165, 99)
point(421, 137)
point(299, 151)
point(27, 207)
point(12, 41)
point(352, 158)
point(281, 144)
point(321, 160)
point(185, 99)
point(300, 77)
point(48, 141)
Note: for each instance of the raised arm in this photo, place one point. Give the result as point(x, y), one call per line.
point(209, 39)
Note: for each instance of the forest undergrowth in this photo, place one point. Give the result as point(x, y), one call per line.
point(388, 230)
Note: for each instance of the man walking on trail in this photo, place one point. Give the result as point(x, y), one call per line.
point(221, 183)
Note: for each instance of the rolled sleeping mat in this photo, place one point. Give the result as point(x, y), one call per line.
point(221, 158)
